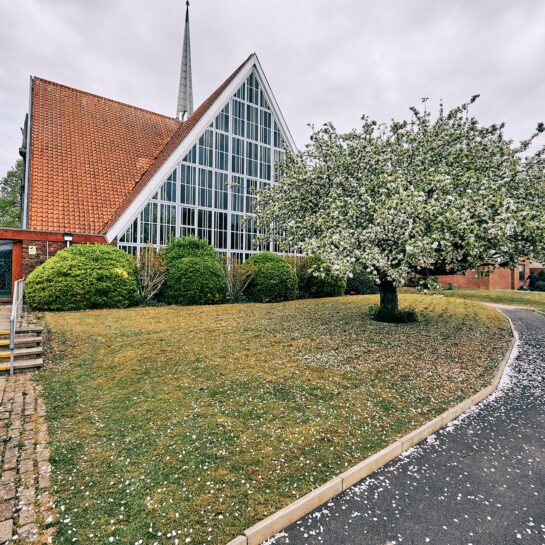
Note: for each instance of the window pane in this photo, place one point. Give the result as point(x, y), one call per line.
point(251, 186)
point(167, 230)
point(265, 163)
point(250, 230)
point(206, 148)
point(237, 165)
point(187, 187)
point(237, 194)
point(148, 221)
point(265, 121)
point(278, 140)
point(238, 117)
point(222, 121)
point(237, 237)
point(222, 151)
point(204, 225)
point(264, 102)
point(205, 187)
point(220, 230)
point(187, 222)
point(168, 189)
point(251, 159)
point(221, 191)
point(241, 93)
point(253, 89)
point(191, 157)
point(252, 126)
point(131, 233)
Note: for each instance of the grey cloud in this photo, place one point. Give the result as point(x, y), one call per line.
point(326, 60)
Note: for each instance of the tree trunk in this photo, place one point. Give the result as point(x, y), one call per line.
point(388, 296)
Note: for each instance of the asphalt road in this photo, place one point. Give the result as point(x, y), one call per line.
point(480, 481)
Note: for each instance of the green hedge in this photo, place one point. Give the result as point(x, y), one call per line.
point(195, 281)
point(84, 276)
point(183, 247)
point(321, 281)
point(274, 279)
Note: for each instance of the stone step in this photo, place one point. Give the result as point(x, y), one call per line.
point(35, 330)
point(30, 329)
point(22, 341)
point(23, 352)
point(23, 364)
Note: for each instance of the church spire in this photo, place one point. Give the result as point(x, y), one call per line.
point(185, 93)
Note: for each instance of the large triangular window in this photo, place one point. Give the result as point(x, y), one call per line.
point(213, 188)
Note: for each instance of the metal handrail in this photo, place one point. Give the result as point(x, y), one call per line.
point(16, 308)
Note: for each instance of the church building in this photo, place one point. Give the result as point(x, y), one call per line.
point(100, 171)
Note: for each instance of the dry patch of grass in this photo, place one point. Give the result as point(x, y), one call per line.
point(191, 424)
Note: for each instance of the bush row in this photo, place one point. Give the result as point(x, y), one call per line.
point(187, 272)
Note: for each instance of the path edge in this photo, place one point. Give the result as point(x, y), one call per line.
point(281, 519)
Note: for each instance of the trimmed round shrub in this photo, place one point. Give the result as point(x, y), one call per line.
point(195, 281)
point(361, 282)
point(274, 279)
point(322, 281)
point(82, 277)
point(183, 247)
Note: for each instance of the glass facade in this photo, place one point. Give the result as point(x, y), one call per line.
point(213, 188)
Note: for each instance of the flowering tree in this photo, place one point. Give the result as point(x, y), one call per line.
point(412, 197)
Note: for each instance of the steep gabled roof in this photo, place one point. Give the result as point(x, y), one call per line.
point(87, 154)
point(177, 138)
point(92, 157)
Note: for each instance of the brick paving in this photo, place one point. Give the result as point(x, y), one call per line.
point(25, 505)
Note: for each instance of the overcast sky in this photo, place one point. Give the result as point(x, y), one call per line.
point(326, 60)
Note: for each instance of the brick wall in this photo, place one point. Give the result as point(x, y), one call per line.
point(43, 251)
point(500, 279)
point(503, 279)
point(469, 280)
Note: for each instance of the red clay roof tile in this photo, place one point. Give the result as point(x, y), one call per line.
point(87, 153)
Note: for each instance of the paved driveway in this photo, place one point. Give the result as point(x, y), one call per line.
point(480, 481)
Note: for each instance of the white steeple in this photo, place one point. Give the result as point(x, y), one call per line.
point(185, 93)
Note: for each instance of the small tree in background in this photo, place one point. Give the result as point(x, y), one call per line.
point(315, 278)
point(152, 272)
point(10, 196)
point(411, 197)
point(238, 276)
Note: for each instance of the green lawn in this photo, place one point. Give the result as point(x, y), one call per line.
point(534, 299)
point(194, 423)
